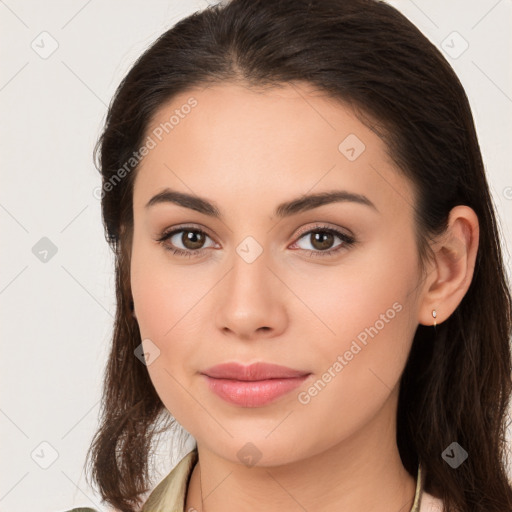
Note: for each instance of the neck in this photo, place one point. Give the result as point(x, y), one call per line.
point(362, 472)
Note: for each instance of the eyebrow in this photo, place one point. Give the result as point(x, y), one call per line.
point(286, 209)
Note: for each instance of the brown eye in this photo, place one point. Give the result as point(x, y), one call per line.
point(184, 241)
point(192, 240)
point(322, 241)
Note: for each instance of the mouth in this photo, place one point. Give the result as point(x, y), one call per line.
point(255, 385)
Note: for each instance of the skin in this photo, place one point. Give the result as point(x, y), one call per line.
point(247, 151)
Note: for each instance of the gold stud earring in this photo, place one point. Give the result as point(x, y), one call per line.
point(434, 314)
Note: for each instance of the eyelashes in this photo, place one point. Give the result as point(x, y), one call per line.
point(165, 239)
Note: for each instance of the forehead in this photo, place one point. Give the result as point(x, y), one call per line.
point(235, 142)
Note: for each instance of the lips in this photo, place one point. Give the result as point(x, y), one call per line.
point(255, 385)
point(256, 371)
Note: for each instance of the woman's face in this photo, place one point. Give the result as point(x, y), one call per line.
point(256, 281)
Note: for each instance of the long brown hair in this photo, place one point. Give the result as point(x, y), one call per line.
point(456, 385)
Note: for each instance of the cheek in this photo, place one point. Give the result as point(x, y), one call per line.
point(152, 298)
point(370, 314)
point(169, 303)
point(161, 292)
point(358, 370)
point(368, 298)
point(165, 314)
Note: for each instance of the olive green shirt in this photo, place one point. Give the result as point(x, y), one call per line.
point(171, 493)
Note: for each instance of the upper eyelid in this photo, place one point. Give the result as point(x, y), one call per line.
point(323, 226)
point(186, 227)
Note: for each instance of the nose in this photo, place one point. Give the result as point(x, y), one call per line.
point(250, 302)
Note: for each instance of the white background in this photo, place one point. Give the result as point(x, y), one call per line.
point(57, 316)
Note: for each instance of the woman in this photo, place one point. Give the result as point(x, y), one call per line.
point(309, 272)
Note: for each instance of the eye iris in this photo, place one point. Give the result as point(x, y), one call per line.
point(194, 237)
point(323, 239)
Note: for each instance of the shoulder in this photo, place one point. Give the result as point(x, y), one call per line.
point(430, 503)
point(170, 493)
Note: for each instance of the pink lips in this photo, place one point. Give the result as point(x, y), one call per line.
point(252, 386)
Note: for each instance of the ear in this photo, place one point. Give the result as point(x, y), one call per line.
point(451, 272)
